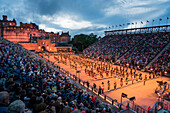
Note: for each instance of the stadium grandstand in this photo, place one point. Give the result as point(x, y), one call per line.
point(142, 48)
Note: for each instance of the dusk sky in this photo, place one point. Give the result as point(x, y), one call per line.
point(86, 16)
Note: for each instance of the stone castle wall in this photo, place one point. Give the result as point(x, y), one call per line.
point(21, 34)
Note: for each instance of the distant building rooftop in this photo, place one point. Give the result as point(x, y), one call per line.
point(65, 34)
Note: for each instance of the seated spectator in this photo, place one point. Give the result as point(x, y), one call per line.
point(4, 101)
point(17, 106)
point(40, 107)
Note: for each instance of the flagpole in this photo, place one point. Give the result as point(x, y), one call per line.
point(159, 21)
point(152, 24)
point(159, 25)
point(146, 23)
point(167, 20)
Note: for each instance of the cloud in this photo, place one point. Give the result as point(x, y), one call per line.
point(78, 16)
point(43, 26)
point(70, 21)
point(133, 7)
point(130, 11)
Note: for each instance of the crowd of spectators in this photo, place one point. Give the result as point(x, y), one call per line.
point(102, 48)
point(146, 50)
point(30, 84)
point(162, 62)
point(111, 47)
point(136, 50)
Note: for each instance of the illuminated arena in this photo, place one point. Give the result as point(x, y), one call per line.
point(81, 57)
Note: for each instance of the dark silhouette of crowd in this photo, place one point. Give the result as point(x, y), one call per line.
point(30, 84)
point(136, 50)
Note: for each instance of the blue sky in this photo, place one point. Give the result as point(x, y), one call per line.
point(86, 16)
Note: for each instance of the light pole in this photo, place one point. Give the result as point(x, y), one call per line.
point(123, 95)
point(78, 72)
point(48, 57)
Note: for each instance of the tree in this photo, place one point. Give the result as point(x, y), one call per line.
point(82, 41)
point(99, 37)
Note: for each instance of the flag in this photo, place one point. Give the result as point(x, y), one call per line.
point(147, 21)
point(128, 23)
point(160, 19)
point(141, 22)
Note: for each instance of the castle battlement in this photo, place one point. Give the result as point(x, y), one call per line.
point(22, 33)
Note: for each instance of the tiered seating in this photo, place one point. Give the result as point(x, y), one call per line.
point(27, 77)
point(162, 62)
point(138, 49)
point(102, 48)
point(111, 47)
point(146, 50)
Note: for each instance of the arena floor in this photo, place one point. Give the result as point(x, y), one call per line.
point(144, 94)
